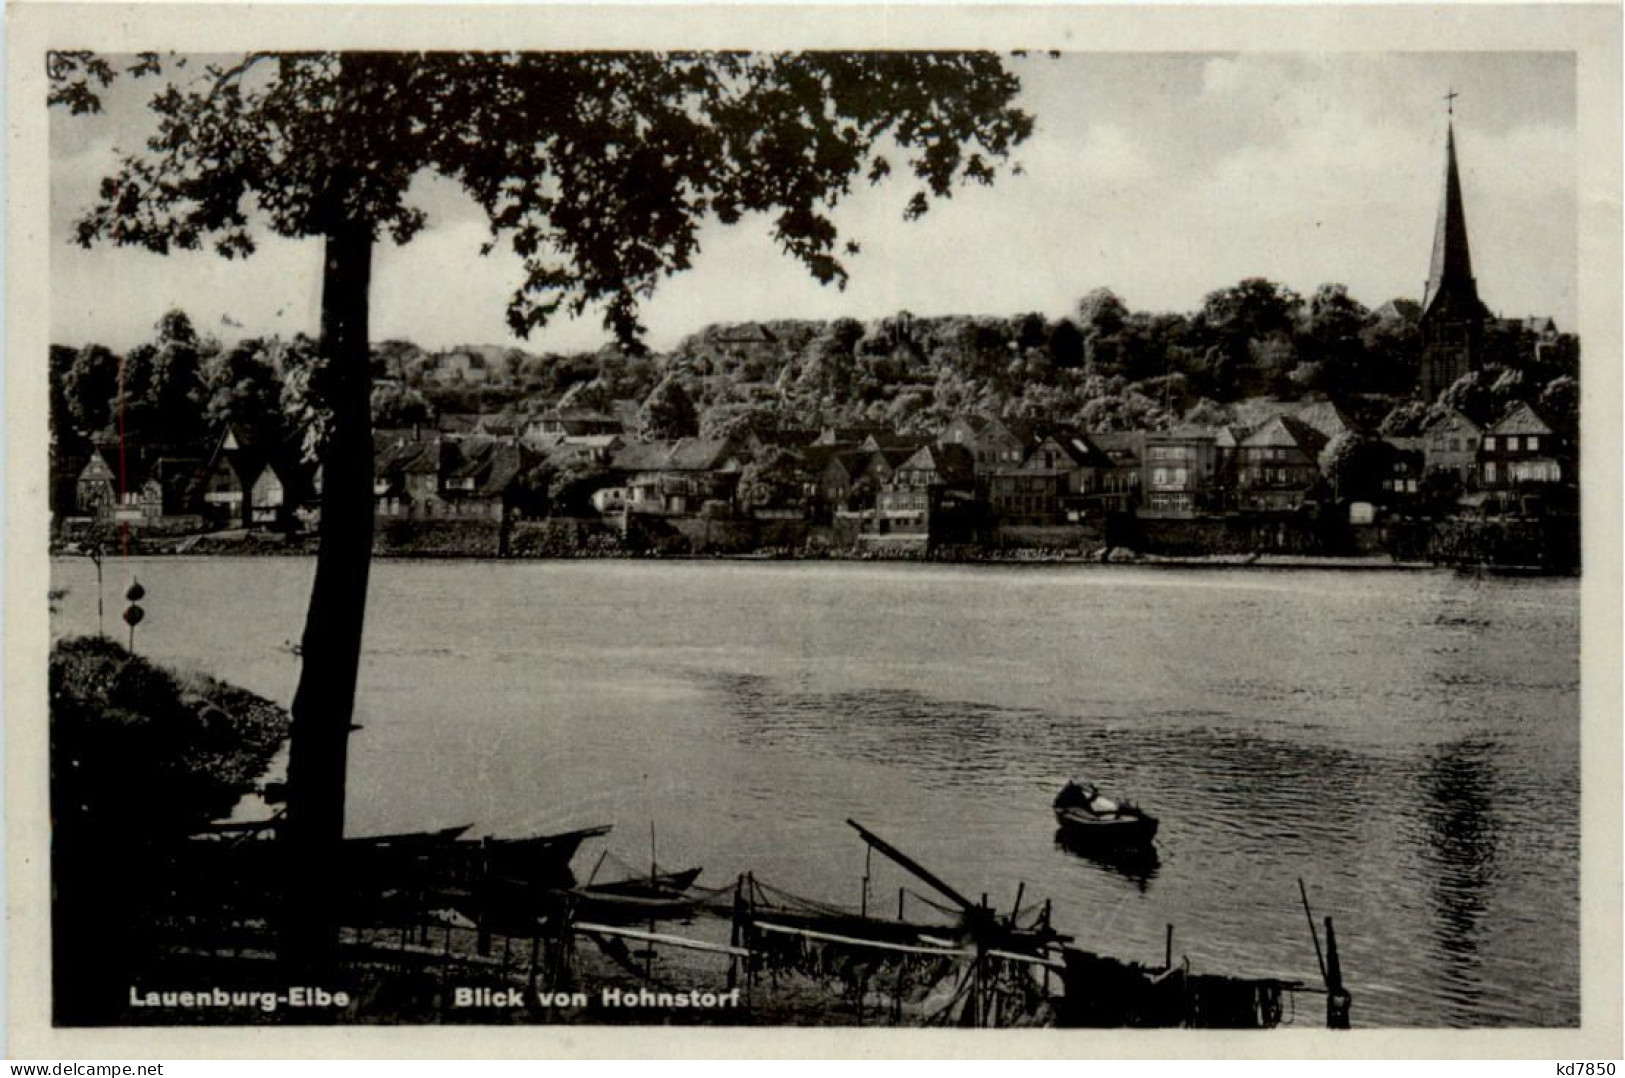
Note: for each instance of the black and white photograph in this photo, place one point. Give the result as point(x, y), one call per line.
point(896, 534)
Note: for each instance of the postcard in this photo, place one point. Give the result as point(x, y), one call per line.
point(791, 530)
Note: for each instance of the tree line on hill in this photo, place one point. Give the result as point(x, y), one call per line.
point(1105, 368)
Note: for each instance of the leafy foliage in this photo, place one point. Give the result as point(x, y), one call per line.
point(668, 413)
point(125, 732)
point(595, 168)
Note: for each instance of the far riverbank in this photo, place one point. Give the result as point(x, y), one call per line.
point(1534, 546)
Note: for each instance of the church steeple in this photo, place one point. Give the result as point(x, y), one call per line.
point(1450, 273)
point(1452, 322)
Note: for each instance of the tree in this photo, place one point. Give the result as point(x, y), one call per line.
point(668, 413)
point(398, 406)
point(89, 388)
point(597, 168)
point(1354, 465)
point(1560, 404)
point(1407, 419)
point(1470, 395)
point(1251, 324)
point(1332, 339)
point(771, 481)
point(161, 392)
point(242, 386)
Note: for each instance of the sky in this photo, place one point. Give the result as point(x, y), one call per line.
point(1160, 176)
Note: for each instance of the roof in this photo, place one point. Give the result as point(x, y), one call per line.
point(699, 454)
point(642, 456)
point(456, 423)
point(1121, 446)
point(890, 439)
point(237, 436)
point(747, 333)
point(1287, 432)
point(506, 463)
point(1325, 417)
point(1184, 433)
point(818, 457)
point(851, 434)
point(417, 458)
point(952, 462)
point(574, 415)
point(1449, 414)
point(1521, 420)
point(1083, 450)
point(1399, 310)
point(498, 424)
point(683, 455)
point(975, 422)
point(594, 441)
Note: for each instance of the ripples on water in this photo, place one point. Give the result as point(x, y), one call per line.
point(1407, 744)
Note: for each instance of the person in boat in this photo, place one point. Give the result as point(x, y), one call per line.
point(1078, 794)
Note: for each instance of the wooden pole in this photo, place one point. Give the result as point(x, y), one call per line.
point(1168, 949)
point(1319, 959)
point(863, 903)
point(734, 929)
point(1338, 999)
point(912, 865)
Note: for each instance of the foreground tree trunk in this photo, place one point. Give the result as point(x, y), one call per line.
point(331, 646)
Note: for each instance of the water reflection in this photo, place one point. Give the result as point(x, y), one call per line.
point(1137, 864)
point(1459, 785)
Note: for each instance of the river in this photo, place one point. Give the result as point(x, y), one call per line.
point(1406, 742)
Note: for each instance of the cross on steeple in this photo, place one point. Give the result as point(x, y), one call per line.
point(1450, 102)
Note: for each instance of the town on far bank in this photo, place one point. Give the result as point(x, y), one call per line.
point(1262, 424)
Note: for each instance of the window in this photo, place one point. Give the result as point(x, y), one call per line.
point(1489, 442)
point(1532, 443)
point(1489, 471)
point(1512, 442)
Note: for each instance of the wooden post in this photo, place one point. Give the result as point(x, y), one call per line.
point(863, 902)
point(1168, 949)
point(734, 930)
point(1338, 999)
point(900, 892)
point(482, 938)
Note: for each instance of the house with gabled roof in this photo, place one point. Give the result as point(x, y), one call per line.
point(678, 478)
point(229, 477)
point(993, 442)
point(931, 497)
point(484, 479)
point(1057, 480)
point(1278, 465)
point(97, 489)
point(1450, 444)
point(1521, 449)
point(407, 478)
point(173, 487)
